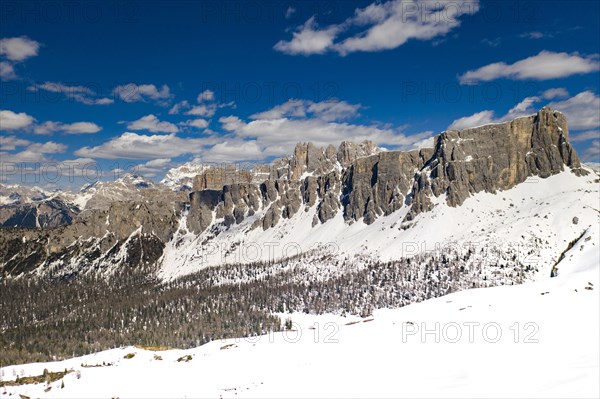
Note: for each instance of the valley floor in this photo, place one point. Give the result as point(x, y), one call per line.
point(539, 339)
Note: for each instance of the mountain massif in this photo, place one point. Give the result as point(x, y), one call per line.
point(132, 222)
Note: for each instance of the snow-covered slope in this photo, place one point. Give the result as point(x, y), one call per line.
point(22, 206)
point(97, 195)
point(538, 339)
point(101, 194)
point(11, 194)
point(534, 221)
point(182, 177)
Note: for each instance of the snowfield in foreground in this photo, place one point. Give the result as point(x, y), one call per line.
point(540, 339)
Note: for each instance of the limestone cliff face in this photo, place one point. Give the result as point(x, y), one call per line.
point(358, 182)
point(217, 177)
point(365, 183)
point(311, 176)
point(494, 157)
point(378, 185)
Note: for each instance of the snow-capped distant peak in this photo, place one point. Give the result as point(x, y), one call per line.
point(135, 179)
point(182, 177)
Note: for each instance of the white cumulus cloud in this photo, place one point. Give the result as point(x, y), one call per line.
point(477, 119)
point(18, 48)
point(152, 124)
point(11, 143)
point(329, 110)
point(379, 26)
point(50, 127)
point(10, 120)
point(180, 106)
point(584, 136)
point(132, 92)
point(7, 71)
point(197, 123)
point(206, 95)
point(276, 131)
point(136, 146)
point(582, 111)
point(81, 94)
point(543, 66)
point(204, 110)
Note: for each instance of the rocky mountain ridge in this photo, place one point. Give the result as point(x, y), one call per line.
point(360, 182)
point(366, 185)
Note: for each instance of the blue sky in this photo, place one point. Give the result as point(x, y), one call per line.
point(124, 84)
